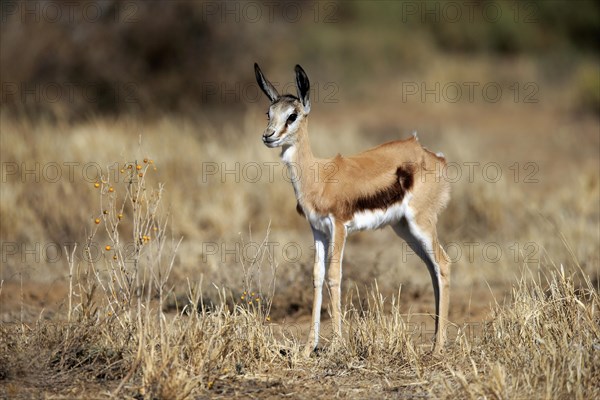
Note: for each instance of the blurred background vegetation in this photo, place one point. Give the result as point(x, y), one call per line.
point(144, 58)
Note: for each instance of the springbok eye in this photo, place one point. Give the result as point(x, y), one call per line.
point(292, 118)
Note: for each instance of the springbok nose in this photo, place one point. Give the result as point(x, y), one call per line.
point(268, 134)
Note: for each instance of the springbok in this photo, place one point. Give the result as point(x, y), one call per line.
point(397, 183)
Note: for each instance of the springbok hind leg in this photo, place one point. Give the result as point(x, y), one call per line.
point(422, 239)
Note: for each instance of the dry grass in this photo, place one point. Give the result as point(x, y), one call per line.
point(543, 343)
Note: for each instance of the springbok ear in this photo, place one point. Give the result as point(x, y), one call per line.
point(303, 87)
point(265, 85)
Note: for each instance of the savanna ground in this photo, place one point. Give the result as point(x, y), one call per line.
point(158, 254)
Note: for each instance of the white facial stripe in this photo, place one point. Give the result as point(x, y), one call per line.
point(278, 119)
point(279, 131)
point(290, 110)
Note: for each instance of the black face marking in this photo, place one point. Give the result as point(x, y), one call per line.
point(386, 197)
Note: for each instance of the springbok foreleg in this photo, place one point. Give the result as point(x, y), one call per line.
point(321, 249)
point(334, 277)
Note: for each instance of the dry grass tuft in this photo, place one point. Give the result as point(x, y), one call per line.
point(543, 343)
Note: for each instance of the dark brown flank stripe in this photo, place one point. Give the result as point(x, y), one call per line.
point(388, 196)
point(383, 198)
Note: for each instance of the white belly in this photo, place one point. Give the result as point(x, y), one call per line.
point(375, 219)
point(363, 220)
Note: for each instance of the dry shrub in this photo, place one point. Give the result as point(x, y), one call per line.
point(116, 329)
